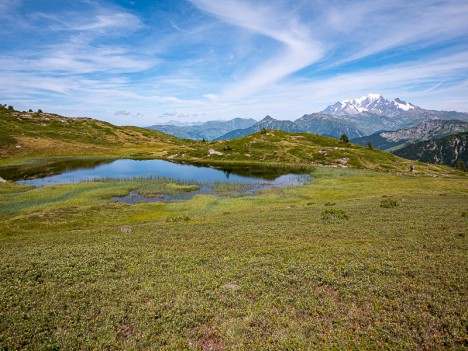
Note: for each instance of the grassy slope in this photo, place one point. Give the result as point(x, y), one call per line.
point(53, 135)
point(79, 271)
point(299, 148)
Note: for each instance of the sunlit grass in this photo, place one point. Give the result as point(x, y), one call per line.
point(80, 271)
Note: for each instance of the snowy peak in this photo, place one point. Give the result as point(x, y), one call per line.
point(403, 105)
point(371, 103)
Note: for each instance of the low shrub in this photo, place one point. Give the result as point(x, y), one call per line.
point(334, 215)
point(178, 219)
point(389, 203)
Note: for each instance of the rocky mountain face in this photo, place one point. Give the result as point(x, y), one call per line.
point(373, 113)
point(427, 130)
point(447, 150)
point(209, 130)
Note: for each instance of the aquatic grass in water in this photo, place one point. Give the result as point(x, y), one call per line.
point(127, 169)
point(168, 190)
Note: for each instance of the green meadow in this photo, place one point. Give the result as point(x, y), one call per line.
point(368, 256)
point(79, 271)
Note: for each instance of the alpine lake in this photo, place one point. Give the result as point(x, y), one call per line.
point(183, 180)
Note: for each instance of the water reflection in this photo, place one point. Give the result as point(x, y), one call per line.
point(42, 169)
point(79, 170)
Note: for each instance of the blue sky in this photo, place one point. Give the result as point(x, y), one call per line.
point(147, 62)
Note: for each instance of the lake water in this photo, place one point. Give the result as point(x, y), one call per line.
point(63, 172)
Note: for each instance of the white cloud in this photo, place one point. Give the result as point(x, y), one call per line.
point(122, 113)
point(299, 47)
point(212, 97)
point(102, 21)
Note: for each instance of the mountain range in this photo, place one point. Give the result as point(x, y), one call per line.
point(315, 123)
point(373, 113)
point(373, 103)
point(355, 118)
point(197, 131)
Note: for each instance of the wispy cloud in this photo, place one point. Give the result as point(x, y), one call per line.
point(104, 21)
point(374, 27)
point(299, 48)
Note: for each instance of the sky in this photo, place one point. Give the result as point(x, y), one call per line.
point(149, 62)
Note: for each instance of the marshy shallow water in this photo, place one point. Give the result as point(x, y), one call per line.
point(225, 180)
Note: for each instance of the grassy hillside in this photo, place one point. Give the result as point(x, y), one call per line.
point(271, 272)
point(26, 134)
point(276, 146)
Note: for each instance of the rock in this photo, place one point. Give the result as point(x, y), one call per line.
point(343, 161)
point(232, 286)
point(214, 152)
point(126, 229)
point(2, 180)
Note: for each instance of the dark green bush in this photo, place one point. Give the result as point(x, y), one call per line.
point(334, 215)
point(344, 138)
point(389, 203)
point(178, 219)
point(461, 166)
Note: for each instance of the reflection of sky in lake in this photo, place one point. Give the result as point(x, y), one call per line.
point(158, 169)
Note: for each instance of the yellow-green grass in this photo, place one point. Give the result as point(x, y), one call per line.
point(79, 271)
point(300, 149)
point(26, 135)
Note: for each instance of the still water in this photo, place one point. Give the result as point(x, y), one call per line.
point(64, 172)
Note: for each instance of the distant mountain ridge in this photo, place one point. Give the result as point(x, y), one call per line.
point(427, 130)
point(314, 123)
point(355, 118)
point(266, 123)
point(327, 125)
point(209, 130)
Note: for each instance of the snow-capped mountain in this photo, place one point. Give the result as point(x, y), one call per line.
point(373, 103)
